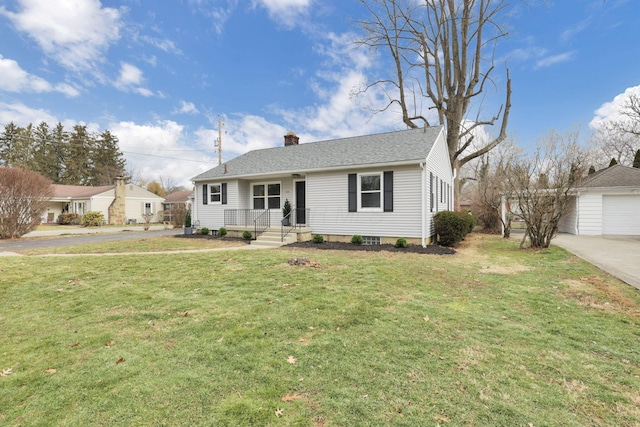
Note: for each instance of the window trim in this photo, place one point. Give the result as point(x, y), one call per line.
point(380, 176)
point(218, 193)
point(266, 195)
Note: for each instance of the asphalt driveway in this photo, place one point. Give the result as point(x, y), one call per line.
point(66, 238)
point(617, 255)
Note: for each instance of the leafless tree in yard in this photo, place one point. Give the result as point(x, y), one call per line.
point(490, 188)
point(618, 138)
point(443, 54)
point(542, 184)
point(24, 197)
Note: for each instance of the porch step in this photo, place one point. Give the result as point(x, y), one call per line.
point(272, 239)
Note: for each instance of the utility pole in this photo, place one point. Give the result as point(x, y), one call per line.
point(218, 142)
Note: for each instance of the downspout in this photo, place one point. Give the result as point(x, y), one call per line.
point(194, 209)
point(455, 174)
point(423, 212)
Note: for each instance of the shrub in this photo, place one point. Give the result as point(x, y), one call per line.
point(222, 232)
point(469, 218)
point(178, 213)
point(401, 243)
point(204, 231)
point(247, 235)
point(24, 197)
point(93, 219)
point(187, 218)
point(69, 219)
point(357, 239)
point(451, 227)
point(318, 238)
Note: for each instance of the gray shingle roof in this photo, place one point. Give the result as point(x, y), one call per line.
point(384, 148)
point(614, 176)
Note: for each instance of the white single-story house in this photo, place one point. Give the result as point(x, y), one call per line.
point(381, 187)
point(120, 203)
point(607, 202)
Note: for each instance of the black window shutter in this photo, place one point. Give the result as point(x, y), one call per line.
point(388, 191)
point(431, 190)
point(205, 194)
point(224, 193)
point(353, 192)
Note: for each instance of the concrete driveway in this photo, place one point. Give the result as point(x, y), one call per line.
point(617, 255)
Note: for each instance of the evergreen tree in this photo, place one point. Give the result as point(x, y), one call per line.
point(8, 142)
point(636, 160)
point(60, 149)
point(613, 162)
point(108, 161)
point(78, 166)
point(592, 170)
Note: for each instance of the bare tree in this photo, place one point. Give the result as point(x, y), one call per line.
point(491, 188)
point(543, 183)
point(619, 138)
point(442, 52)
point(24, 196)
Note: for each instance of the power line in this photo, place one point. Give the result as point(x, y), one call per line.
point(166, 157)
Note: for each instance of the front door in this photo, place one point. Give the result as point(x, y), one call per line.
point(301, 197)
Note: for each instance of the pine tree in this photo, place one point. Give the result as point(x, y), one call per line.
point(636, 160)
point(8, 140)
point(592, 170)
point(613, 162)
point(108, 161)
point(78, 167)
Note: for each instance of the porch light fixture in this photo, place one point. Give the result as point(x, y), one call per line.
point(296, 175)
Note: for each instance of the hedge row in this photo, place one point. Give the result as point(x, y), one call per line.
point(451, 227)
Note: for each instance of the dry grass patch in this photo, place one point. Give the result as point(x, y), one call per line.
point(596, 293)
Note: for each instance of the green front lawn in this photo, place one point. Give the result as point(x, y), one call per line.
point(491, 336)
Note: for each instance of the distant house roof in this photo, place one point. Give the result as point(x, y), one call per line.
point(613, 176)
point(405, 146)
point(178, 197)
point(78, 191)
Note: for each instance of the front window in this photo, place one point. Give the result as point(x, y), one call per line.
point(147, 209)
point(215, 191)
point(370, 191)
point(266, 196)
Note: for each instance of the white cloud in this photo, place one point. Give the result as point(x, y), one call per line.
point(131, 79)
point(555, 59)
point(22, 115)
point(74, 33)
point(160, 149)
point(285, 12)
point(186, 108)
point(162, 44)
point(219, 14)
point(610, 111)
point(15, 79)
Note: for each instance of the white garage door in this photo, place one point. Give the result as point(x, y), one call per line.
point(621, 215)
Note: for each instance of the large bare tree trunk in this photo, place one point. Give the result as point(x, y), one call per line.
point(442, 51)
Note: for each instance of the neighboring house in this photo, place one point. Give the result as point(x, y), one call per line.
point(120, 203)
point(380, 186)
point(184, 198)
point(607, 202)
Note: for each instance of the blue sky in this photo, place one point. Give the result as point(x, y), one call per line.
point(158, 74)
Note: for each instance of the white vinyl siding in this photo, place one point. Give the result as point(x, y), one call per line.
point(590, 214)
point(569, 223)
point(211, 215)
point(439, 165)
point(328, 202)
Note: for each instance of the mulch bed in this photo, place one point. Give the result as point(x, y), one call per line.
point(339, 246)
point(210, 237)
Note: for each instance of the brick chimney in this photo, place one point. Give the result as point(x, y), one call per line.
point(291, 139)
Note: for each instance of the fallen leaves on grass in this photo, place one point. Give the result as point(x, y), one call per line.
point(119, 360)
point(75, 344)
point(441, 418)
point(291, 397)
point(51, 371)
point(109, 343)
point(6, 372)
point(292, 360)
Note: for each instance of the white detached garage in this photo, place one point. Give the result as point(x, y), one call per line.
point(607, 202)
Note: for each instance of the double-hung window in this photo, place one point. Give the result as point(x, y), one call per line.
point(215, 191)
point(370, 192)
point(266, 196)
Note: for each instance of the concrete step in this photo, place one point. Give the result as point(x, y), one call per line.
point(273, 239)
